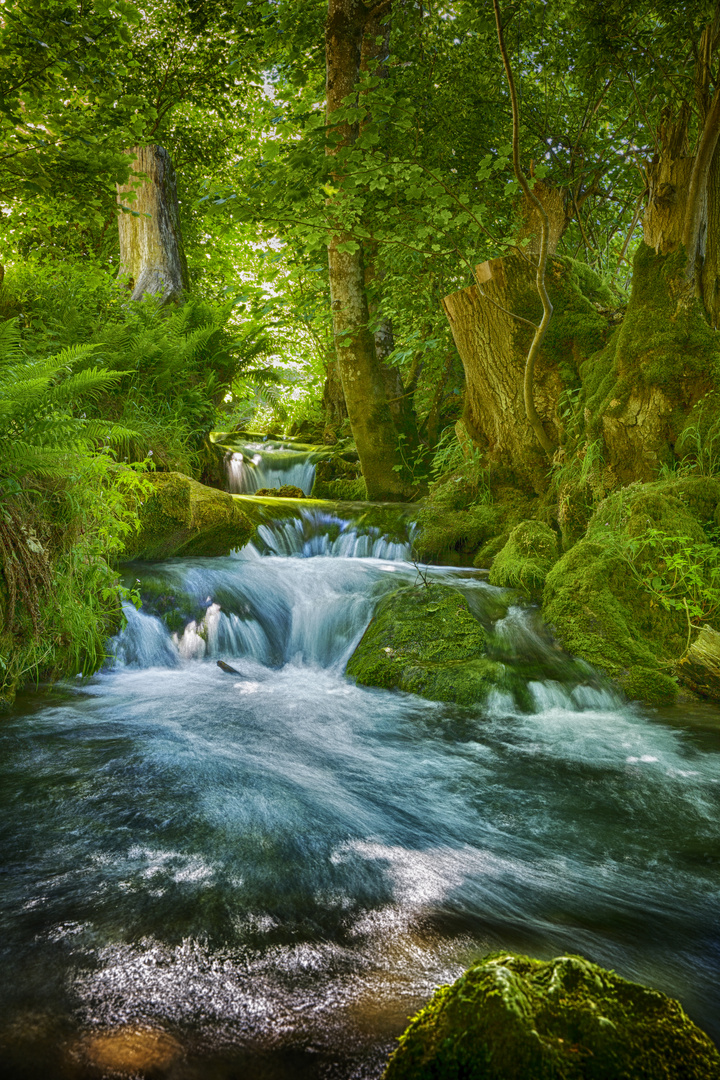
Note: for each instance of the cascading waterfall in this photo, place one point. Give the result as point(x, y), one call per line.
point(269, 465)
point(271, 869)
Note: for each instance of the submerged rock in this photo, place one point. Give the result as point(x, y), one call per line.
point(424, 640)
point(511, 1018)
point(526, 558)
point(183, 517)
point(130, 1051)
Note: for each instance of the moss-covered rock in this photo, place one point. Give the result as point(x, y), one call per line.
point(344, 490)
point(424, 640)
point(514, 1018)
point(183, 517)
point(287, 491)
point(526, 559)
point(484, 558)
point(600, 612)
point(448, 535)
point(596, 597)
point(339, 479)
point(699, 669)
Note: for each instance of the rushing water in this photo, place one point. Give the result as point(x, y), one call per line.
point(270, 465)
point(262, 874)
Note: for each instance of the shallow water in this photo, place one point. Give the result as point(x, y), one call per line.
point(271, 870)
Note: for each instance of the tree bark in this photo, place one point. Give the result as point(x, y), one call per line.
point(661, 359)
point(362, 379)
point(493, 346)
point(151, 249)
point(333, 400)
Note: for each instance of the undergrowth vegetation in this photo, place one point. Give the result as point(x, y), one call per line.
point(94, 392)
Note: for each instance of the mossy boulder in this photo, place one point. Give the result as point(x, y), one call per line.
point(183, 517)
point(339, 479)
point(448, 535)
point(597, 600)
point(425, 640)
point(526, 558)
point(510, 1017)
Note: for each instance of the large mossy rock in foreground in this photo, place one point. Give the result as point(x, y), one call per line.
point(514, 1018)
point(424, 640)
point(183, 517)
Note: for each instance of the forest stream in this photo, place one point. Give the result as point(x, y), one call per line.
point(265, 873)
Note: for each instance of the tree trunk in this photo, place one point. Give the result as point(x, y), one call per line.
point(493, 346)
point(333, 400)
point(489, 323)
point(362, 380)
point(659, 364)
point(151, 249)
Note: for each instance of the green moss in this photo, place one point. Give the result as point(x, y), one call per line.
point(526, 559)
point(489, 550)
point(511, 1017)
point(649, 684)
point(336, 478)
point(598, 604)
point(424, 640)
point(287, 491)
point(182, 517)
point(600, 612)
point(444, 534)
point(662, 341)
point(351, 489)
point(577, 329)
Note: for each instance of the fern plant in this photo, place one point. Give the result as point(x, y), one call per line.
point(65, 508)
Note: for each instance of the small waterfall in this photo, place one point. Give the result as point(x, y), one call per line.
point(269, 465)
point(318, 532)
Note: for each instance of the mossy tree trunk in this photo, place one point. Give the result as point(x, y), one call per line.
point(661, 361)
point(333, 400)
point(151, 248)
point(362, 379)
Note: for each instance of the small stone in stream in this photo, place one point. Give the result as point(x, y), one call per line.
point(287, 491)
point(228, 667)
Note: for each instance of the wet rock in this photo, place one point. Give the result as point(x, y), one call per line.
point(700, 667)
point(227, 668)
point(424, 640)
point(183, 517)
point(526, 558)
point(511, 1018)
point(287, 491)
